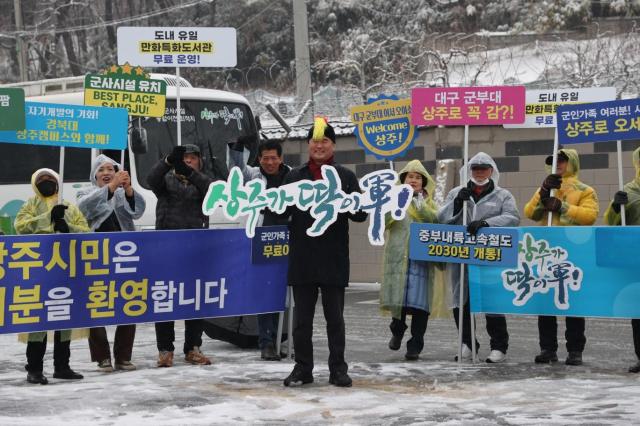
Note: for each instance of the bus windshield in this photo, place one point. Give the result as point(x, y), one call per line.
point(208, 124)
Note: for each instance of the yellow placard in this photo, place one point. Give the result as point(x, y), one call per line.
point(137, 103)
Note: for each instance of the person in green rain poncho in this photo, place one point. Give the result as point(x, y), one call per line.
point(629, 197)
point(41, 214)
point(409, 287)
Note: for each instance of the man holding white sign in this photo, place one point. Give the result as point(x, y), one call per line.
point(320, 264)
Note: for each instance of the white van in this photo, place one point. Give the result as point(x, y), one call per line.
point(210, 119)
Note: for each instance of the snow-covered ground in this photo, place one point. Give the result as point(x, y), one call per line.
point(240, 389)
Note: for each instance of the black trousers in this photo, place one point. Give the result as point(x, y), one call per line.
point(305, 298)
point(496, 328)
point(165, 335)
point(419, 319)
point(635, 326)
point(36, 350)
point(574, 333)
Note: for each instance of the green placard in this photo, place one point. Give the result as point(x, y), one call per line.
point(12, 109)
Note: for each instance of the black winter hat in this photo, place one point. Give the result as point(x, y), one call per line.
point(192, 149)
point(328, 129)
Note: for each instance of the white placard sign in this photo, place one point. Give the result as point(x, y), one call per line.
point(177, 46)
point(541, 105)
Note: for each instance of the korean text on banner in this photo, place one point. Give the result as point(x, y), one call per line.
point(452, 244)
point(63, 281)
point(473, 106)
point(563, 270)
point(12, 115)
point(270, 244)
point(126, 87)
point(71, 126)
point(383, 126)
point(542, 104)
point(599, 121)
point(177, 46)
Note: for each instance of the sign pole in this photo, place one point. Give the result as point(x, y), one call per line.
point(620, 182)
point(61, 171)
point(464, 223)
point(554, 165)
point(290, 323)
point(178, 118)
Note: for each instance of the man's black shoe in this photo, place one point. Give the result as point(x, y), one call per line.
point(546, 356)
point(298, 377)
point(635, 368)
point(395, 342)
point(268, 353)
point(37, 378)
point(67, 374)
point(574, 358)
point(340, 379)
point(412, 355)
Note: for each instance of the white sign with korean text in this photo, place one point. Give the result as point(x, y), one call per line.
point(177, 46)
point(541, 105)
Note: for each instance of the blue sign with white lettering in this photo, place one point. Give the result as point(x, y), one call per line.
point(599, 121)
point(582, 271)
point(64, 281)
point(74, 126)
point(452, 244)
point(270, 244)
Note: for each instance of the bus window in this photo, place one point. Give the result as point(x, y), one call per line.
point(77, 164)
point(209, 125)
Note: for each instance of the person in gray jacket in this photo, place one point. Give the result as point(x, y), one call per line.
point(487, 205)
point(272, 171)
point(111, 205)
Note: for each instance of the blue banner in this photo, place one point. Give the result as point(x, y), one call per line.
point(73, 126)
point(452, 244)
point(579, 271)
point(63, 281)
point(270, 244)
point(599, 121)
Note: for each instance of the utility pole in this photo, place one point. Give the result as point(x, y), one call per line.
point(304, 93)
point(20, 45)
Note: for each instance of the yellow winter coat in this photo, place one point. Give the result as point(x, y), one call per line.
point(631, 209)
point(579, 201)
point(395, 273)
point(35, 218)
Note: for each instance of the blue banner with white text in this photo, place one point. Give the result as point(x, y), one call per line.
point(63, 281)
point(581, 271)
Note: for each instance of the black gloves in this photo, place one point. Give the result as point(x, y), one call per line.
point(620, 199)
point(176, 156)
point(57, 212)
point(475, 226)
point(181, 168)
point(61, 226)
point(463, 195)
point(550, 182)
point(551, 204)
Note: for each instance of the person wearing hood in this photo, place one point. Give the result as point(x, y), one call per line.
point(320, 264)
point(629, 197)
point(179, 183)
point(111, 205)
point(407, 285)
point(43, 214)
point(573, 204)
point(487, 205)
point(272, 172)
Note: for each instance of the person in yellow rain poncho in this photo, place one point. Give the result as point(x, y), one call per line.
point(573, 204)
point(409, 287)
point(41, 214)
point(629, 197)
